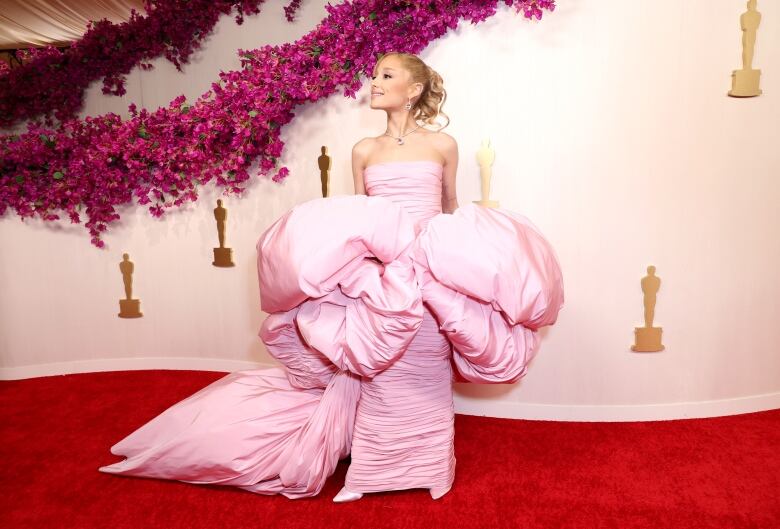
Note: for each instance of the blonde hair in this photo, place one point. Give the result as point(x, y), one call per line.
point(433, 95)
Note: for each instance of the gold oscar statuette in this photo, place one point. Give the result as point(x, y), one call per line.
point(485, 157)
point(744, 82)
point(324, 161)
point(223, 257)
point(647, 339)
point(128, 307)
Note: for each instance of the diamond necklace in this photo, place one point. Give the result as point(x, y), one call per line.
point(400, 139)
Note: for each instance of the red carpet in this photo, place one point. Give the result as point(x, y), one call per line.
point(721, 473)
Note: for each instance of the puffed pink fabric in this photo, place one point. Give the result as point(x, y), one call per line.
point(491, 299)
point(369, 297)
point(359, 313)
point(405, 422)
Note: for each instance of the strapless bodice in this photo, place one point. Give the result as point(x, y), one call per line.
point(414, 185)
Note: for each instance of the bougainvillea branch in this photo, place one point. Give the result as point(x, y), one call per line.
point(51, 83)
point(290, 9)
point(161, 158)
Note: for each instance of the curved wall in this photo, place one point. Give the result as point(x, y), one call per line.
point(612, 133)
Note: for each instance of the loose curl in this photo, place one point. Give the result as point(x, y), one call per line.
point(428, 105)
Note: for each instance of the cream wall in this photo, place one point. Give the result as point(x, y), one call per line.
point(612, 132)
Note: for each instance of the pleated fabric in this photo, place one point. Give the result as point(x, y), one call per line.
point(371, 300)
point(491, 299)
point(405, 422)
point(250, 429)
point(404, 428)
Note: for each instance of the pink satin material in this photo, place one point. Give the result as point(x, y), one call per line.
point(368, 299)
point(405, 423)
point(491, 280)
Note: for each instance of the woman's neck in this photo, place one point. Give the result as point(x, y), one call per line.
point(400, 123)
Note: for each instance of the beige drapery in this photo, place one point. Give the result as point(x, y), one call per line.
point(34, 23)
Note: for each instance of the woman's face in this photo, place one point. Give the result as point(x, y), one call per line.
point(390, 88)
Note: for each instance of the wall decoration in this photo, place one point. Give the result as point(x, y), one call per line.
point(51, 82)
point(223, 257)
point(744, 82)
point(485, 157)
point(324, 162)
point(647, 339)
point(162, 157)
point(128, 307)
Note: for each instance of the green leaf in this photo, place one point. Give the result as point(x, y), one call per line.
point(58, 175)
point(19, 179)
point(372, 16)
point(252, 113)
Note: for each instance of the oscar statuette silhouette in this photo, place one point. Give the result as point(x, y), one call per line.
point(128, 307)
point(647, 339)
point(223, 257)
point(744, 82)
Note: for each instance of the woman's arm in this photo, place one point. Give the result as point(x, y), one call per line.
point(359, 157)
point(449, 194)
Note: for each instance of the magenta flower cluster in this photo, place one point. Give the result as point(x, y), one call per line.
point(51, 83)
point(291, 8)
point(94, 165)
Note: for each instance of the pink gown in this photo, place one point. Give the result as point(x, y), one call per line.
point(371, 300)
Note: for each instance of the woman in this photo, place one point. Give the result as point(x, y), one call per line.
point(404, 428)
point(370, 297)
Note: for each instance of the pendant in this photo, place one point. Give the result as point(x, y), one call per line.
point(400, 141)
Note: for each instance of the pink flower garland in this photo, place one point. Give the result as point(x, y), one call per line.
point(53, 82)
point(161, 157)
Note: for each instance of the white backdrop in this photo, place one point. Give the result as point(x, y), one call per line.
point(612, 132)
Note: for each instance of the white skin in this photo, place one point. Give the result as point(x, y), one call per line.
point(389, 90)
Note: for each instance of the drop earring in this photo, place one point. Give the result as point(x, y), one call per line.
point(408, 105)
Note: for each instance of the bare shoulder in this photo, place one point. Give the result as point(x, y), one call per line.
point(363, 145)
point(444, 143)
point(362, 148)
point(446, 146)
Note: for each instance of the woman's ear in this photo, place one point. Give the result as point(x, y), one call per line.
point(418, 90)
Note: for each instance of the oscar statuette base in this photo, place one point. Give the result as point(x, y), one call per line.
point(487, 203)
point(223, 257)
point(130, 308)
point(744, 83)
point(647, 340)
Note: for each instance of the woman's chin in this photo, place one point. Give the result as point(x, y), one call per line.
point(377, 106)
